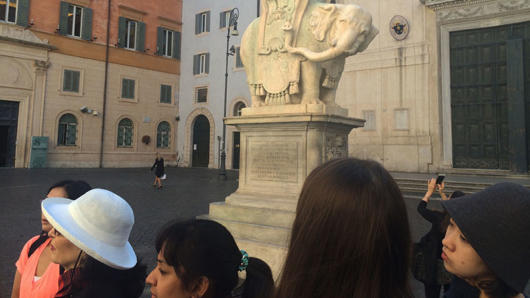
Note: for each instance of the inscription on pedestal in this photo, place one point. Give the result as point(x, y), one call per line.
point(273, 161)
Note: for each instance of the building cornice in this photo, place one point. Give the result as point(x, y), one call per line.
point(449, 10)
point(17, 34)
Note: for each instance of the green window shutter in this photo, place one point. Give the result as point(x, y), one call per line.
point(222, 19)
point(61, 134)
point(140, 36)
point(23, 13)
point(86, 34)
point(198, 23)
point(207, 66)
point(71, 132)
point(124, 83)
point(128, 135)
point(207, 22)
point(176, 45)
point(131, 88)
point(196, 61)
point(67, 80)
point(75, 81)
point(122, 31)
point(159, 40)
point(120, 136)
point(63, 18)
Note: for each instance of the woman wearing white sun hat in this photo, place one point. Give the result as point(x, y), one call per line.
point(90, 240)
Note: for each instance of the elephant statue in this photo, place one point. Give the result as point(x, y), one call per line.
point(295, 52)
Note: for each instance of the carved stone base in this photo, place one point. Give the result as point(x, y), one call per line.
point(278, 151)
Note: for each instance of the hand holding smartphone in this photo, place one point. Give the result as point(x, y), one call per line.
point(440, 179)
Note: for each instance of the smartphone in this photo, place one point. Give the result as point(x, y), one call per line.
point(440, 178)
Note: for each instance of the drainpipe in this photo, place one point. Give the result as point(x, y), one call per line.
point(104, 112)
point(258, 7)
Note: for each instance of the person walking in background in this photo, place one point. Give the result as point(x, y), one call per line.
point(433, 274)
point(487, 242)
point(36, 275)
point(350, 237)
point(90, 241)
point(200, 258)
point(159, 171)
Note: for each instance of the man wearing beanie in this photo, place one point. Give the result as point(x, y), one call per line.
point(487, 242)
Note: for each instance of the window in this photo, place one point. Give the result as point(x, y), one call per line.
point(165, 93)
point(201, 64)
point(71, 80)
point(239, 63)
point(125, 133)
point(201, 94)
point(202, 22)
point(8, 10)
point(75, 15)
point(162, 135)
point(238, 107)
point(130, 35)
point(369, 116)
point(167, 43)
point(127, 88)
point(75, 21)
point(67, 132)
point(224, 18)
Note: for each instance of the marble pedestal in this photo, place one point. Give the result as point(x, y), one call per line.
point(280, 146)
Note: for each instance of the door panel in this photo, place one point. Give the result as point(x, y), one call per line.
point(8, 134)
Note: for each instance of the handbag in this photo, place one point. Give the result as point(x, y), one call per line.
point(163, 177)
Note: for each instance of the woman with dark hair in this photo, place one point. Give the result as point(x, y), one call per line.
point(36, 275)
point(350, 237)
point(90, 241)
point(159, 171)
point(433, 275)
point(199, 258)
point(487, 242)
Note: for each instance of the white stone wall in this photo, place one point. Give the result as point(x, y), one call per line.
point(395, 81)
point(145, 111)
point(213, 42)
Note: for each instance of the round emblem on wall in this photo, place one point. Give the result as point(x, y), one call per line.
point(399, 27)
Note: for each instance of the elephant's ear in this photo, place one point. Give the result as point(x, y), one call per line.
point(321, 20)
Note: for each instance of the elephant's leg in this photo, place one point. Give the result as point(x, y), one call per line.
point(310, 79)
point(328, 96)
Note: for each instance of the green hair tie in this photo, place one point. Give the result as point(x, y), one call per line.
point(244, 261)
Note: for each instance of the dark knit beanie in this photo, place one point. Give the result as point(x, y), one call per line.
point(496, 222)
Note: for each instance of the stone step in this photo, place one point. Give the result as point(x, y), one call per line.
point(245, 214)
point(260, 233)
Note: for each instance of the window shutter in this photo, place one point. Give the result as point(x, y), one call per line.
point(75, 81)
point(159, 40)
point(222, 19)
point(158, 137)
point(120, 136)
point(196, 64)
point(122, 31)
point(22, 13)
point(207, 66)
point(60, 134)
point(87, 24)
point(207, 22)
point(67, 80)
point(131, 88)
point(63, 18)
point(176, 45)
point(198, 23)
point(71, 132)
point(128, 135)
point(140, 37)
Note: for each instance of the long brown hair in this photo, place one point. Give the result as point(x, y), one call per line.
point(350, 237)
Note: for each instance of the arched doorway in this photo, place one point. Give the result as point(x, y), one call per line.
point(201, 142)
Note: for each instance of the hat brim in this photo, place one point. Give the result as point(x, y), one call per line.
point(56, 212)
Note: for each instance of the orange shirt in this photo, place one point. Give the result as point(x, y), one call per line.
point(48, 284)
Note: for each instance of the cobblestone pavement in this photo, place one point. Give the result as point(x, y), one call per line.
point(186, 194)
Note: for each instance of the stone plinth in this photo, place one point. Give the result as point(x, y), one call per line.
point(278, 151)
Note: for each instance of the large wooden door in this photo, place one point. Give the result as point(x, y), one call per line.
point(201, 142)
point(8, 132)
point(482, 105)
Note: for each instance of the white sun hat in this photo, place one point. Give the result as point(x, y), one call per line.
point(98, 222)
